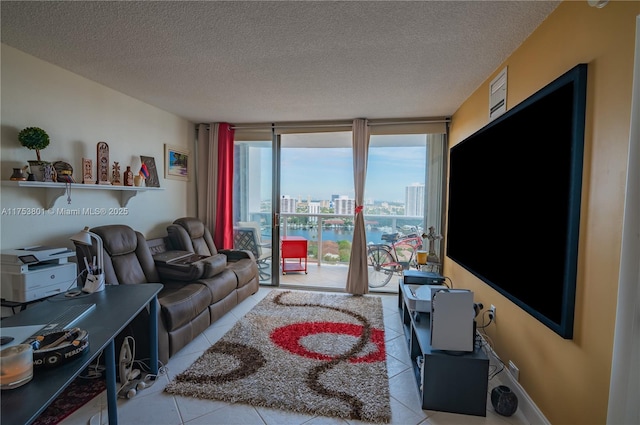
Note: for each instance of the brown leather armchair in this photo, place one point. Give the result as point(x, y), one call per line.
point(190, 234)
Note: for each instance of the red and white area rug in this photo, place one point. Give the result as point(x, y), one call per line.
point(307, 352)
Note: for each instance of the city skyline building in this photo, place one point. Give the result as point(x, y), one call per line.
point(414, 199)
point(288, 204)
point(344, 205)
point(313, 208)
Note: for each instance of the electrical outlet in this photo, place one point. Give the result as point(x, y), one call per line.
point(515, 372)
point(492, 310)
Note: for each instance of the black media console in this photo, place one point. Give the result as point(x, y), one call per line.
point(449, 382)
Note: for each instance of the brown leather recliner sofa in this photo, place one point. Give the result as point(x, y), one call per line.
point(190, 234)
point(187, 307)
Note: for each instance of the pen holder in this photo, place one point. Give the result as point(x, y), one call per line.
point(94, 283)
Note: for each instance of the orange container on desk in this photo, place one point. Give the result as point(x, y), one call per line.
point(293, 248)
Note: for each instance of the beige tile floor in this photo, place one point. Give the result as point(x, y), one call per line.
point(154, 407)
point(329, 278)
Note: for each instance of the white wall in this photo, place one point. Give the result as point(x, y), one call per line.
point(77, 114)
point(625, 370)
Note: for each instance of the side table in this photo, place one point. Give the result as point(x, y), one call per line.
point(294, 247)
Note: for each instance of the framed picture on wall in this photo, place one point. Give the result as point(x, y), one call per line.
point(176, 163)
point(152, 179)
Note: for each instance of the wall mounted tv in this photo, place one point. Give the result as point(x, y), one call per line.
point(514, 201)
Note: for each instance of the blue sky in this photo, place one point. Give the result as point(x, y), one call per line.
point(321, 172)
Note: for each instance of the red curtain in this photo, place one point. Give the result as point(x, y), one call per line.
point(223, 235)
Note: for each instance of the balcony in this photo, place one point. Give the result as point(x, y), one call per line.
point(329, 243)
point(328, 277)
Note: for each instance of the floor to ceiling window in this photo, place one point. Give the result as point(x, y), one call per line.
point(252, 198)
point(401, 202)
point(316, 186)
point(315, 190)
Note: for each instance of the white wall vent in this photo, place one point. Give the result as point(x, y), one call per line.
point(498, 95)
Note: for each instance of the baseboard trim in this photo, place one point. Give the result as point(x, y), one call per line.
point(526, 405)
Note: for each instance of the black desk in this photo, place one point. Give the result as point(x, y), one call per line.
point(13, 304)
point(116, 306)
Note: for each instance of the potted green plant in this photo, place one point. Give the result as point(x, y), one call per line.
point(35, 138)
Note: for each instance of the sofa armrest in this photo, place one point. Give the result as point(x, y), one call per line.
point(234, 255)
point(192, 268)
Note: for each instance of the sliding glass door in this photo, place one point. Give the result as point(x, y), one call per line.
point(292, 183)
point(253, 200)
point(317, 205)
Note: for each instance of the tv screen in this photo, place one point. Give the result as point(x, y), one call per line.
point(514, 201)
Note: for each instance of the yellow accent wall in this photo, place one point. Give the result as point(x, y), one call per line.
point(569, 379)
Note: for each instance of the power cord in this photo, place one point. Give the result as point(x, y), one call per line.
point(445, 282)
point(74, 292)
point(488, 314)
point(162, 370)
point(95, 370)
point(69, 292)
point(490, 352)
point(136, 379)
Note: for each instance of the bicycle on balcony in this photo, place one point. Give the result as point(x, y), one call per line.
point(387, 259)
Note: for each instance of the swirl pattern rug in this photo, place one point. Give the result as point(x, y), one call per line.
point(307, 352)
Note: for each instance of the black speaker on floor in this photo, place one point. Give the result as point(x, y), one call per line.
point(504, 401)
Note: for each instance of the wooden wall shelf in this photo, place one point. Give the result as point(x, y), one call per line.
point(54, 190)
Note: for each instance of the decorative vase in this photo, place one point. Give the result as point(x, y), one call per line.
point(137, 181)
point(128, 177)
point(37, 169)
point(504, 401)
point(18, 174)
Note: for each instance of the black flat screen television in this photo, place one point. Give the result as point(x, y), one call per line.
point(514, 201)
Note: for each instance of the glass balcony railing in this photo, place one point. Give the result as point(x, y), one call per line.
point(330, 235)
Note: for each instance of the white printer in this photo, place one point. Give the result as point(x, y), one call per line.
point(36, 272)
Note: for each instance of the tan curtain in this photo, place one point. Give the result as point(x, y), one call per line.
point(358, 277)
point(206, 174)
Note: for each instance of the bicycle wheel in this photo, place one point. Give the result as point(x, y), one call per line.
point(381, 267)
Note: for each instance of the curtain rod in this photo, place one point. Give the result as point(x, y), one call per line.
point(346, 124)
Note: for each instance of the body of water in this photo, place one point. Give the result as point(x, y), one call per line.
point(337, 234)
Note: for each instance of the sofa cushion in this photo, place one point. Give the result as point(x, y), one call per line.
point(220, 285)
point(245, 270)
point(181, 303)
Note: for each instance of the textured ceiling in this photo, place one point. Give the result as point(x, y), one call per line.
point(244, 61)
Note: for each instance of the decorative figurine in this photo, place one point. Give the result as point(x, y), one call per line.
point(49, 173)
point(128, 176)
point(103, 163)
point(115, 176)
point(87, 171)
point(432, 236)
